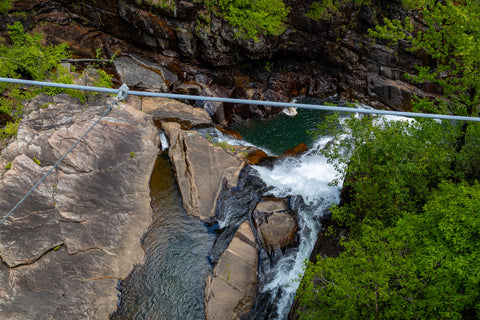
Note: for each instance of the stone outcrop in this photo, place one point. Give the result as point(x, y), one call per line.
point(144, 75)
point(276, 225)
point(231, 289)
point(168, 110)
point(190, 48)
point(65, 248)
point(201, 169)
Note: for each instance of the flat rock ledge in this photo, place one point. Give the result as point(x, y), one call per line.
point(168, 110)
point(231, 289)
point(201, 168)
point(65, 248)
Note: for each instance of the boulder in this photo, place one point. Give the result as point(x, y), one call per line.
point(276, 226)
point(144, 75)
point(231, 289)
point(165, 110)
point(297, 150)
point(66, 247)
point(201, 169)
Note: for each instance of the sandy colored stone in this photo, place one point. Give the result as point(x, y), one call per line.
point(65, 248)
point(169, 110)
point(201, 169)
point(231, 289)
point(275, 223)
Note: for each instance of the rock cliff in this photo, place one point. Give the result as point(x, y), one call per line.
point(65, 248)
point(198, 53)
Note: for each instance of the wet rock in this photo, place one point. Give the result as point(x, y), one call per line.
point(201, 169)
point(213, 108)
point(168, 110)
point(276, 225)
point(337, 56)
point(65, 248)
point(298, 149)
point(231, 289)
point(185, 10)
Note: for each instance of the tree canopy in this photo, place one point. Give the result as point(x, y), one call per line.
point(413, 200)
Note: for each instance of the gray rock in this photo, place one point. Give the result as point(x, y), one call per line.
point(144, 75)
point(65, 248)
point(393, 93)
point(231, 289)
point(201, 169)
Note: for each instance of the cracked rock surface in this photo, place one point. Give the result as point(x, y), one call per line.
point(201, 169)
point(64, 249)
point(231, 289)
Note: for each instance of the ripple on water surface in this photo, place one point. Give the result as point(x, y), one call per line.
point(170, 283)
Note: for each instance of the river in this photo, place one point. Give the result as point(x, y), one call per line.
point(180, 249)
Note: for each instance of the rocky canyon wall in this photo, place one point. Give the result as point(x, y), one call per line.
point(314, 58)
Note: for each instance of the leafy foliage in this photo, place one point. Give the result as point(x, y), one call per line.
point(25, 58)
point(426, 266)
point(5, 5)
point(451, 37)
point(28, 58)
point(413, 205)
point(325, 9)
point(253, 17)
point(392, 165)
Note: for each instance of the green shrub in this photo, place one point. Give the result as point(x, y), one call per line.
point(253, 17)
point(5, 5)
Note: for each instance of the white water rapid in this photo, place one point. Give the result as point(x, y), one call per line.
point(308, 177)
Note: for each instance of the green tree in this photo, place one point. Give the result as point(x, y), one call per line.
point(392, 166)
point(5, 5)
point(450, 37)
point(413, 250)
point(426, 266)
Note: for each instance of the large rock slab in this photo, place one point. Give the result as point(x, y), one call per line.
point(169, 110)
point(231, 289)
point(201, 169)
point(65, 248)
point(145, 75)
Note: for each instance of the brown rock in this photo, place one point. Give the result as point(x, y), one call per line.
point(231, 289)
point(393, 93)
point(256, 156)
point(201, 169)
point(300, 148)
point(65, 248)
point(168, 110)
point(275, 223)
point(139, 75)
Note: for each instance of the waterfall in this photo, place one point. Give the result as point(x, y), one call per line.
point(163, 141)
point(306, 179)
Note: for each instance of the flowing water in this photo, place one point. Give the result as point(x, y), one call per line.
point(306, 180)
point(169, 284)
point(181, 250)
